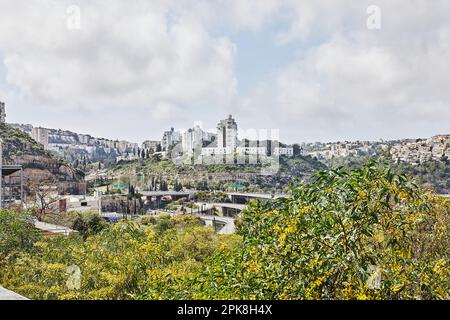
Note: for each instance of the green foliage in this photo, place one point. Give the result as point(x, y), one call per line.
point(17, 232)
point(18, 143)
point(127, 261)
point(435, 174)
point(219, 176)
point(333, 237)
point(367, 233)
point(218, 197)
point(89, 225)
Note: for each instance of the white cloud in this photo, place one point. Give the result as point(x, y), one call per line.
point(358, 83)
point(171, 57)
point(124, 55)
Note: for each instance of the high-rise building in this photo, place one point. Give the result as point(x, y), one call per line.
point(227, 133)
point(192, 139)
point(2, 112)
point(41, 136)
point(169, 139)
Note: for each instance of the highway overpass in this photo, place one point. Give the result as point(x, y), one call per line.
point(243, 198)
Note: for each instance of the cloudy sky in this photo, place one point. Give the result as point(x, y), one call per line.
point(313, 69)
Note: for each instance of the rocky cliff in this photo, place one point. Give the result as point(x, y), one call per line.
point(39, 164)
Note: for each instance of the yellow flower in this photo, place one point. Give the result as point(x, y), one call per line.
point(403, 195)
point(282, 238)
point(379, 236)
point(254, 266)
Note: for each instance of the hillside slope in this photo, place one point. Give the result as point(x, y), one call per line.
point(20, 148)
point(219, 176)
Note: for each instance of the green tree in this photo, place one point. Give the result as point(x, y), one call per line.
point(17, 232)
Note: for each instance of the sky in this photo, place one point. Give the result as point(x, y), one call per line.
point(315, 70)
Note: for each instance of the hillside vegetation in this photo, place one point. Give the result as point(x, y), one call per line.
point(17, 143)
point(219, 176)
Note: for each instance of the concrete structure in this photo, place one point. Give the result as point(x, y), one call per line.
point(222, 225)
point(9, 295)
point(11, 185)
point(244, 198)
point(154, 198)
point(52, 229)
point(231, 210)
point(227, 132)
point(40, 135)
point(2, 112)
point(8, 189)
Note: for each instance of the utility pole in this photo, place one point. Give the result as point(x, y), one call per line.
point(99, 195)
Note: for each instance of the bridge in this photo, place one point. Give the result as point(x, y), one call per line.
point(228, 209)
point(158, 195)
point(223, 225)
point(243, 198)
point(177, 194)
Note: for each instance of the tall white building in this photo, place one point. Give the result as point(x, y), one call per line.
point(193, 139)
point(169, 139)
point(2, 112)
point(227, 133)
point(40, 135)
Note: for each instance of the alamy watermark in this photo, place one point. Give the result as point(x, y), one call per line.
point(74, 277)
point(374, 279)
point(73, 21)
point(259, 147)
point(374, 17)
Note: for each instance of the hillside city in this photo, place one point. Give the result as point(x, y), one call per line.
point(231, 158)
point(77, 184)
point(73, 146)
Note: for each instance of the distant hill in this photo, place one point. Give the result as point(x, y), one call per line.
point(38, 163)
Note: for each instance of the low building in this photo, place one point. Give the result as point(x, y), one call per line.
point(216, 151)
point(288, 152)
point(151, 144)
point(251, 150)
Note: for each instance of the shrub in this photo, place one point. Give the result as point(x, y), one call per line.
point(363, 234)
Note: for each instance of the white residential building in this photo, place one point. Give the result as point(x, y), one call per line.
point(227, 131)
point(84, 138)
point(251, 150)
point(169, 139)
point(216, 151)
point(151, 144)
point(192, 139)
point(288, 152)
point(2, 112)
point(41, 136)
